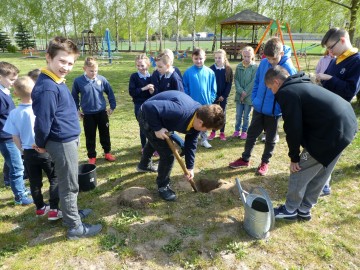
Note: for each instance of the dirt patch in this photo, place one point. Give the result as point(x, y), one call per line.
point(136, 197)
point(211, 185)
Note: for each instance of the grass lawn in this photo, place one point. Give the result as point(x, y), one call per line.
point(199, 230)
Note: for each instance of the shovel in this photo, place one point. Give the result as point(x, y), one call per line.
point(181, 162)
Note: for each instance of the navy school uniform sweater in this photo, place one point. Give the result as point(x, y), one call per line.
point(223, 87)
point(135, 85)
point(6, 105)
point(55, 110)
point(167, 82)
point(92, 94)
point(174, 110)
point(346, 77)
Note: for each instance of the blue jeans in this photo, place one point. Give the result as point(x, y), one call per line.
point(14, 162)
point(177, 139)
point(242, 113)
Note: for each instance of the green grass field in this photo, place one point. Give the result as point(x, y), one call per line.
point(199, 230)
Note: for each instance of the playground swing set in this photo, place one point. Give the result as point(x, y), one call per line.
point(279, 33)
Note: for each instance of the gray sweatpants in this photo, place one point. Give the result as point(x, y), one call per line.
point(306, 185)
point(65, 158)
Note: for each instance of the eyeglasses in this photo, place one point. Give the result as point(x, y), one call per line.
point(332, 46)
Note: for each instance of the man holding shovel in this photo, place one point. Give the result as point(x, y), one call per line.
point(174, 111)
point(320, 122)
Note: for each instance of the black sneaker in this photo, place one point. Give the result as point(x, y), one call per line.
point(83, 213)
point(83, 230)
point(281, 213)
point(149, 168)
point(303, 216)
point(167, 193)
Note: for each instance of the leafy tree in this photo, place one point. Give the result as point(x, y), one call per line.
point(4, 41)
point(23, 38)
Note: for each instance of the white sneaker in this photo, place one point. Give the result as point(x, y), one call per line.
point(277, 138)
point(263, 138)
point(206, 144)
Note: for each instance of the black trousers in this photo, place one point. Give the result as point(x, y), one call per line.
point(259, 123)
point(92, 122)
point(167, 158)
point(35, 164)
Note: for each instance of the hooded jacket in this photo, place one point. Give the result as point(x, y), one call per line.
point(318, 120)
point(262, 97)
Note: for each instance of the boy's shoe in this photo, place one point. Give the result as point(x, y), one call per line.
point(24, 200)
point(54, 214)
point(42, 211)
point(243, 136)
point(303, 216)
point(263, 137)
point(239, 163)
point(150, 168)
point(222, 136)
point(156, 154)
point(109, 157)
point(83, 213)
point(206, 144)
point(167, 193)
point(277, 138)
point(326, 191)
point(281, 213)
point(92, 161)
point(83, 230)
point(263, 169)
point(236, 134)
point(212, 135)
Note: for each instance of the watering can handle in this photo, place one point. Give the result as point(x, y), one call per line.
point(241, 191)
point(268, 202)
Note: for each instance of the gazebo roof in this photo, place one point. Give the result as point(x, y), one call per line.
point(246, 17)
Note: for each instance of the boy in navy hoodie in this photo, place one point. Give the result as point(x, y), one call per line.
point(57, 131)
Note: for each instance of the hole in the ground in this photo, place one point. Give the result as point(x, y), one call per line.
point(207, 185)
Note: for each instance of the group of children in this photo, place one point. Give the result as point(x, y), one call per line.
point(44, 128)
point(205, 85)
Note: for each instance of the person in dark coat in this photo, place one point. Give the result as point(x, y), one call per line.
point(320, 122)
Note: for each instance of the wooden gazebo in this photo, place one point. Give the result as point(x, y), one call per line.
point(245, 19)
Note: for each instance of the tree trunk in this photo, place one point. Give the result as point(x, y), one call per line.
point(160, 28)
point(355, 4)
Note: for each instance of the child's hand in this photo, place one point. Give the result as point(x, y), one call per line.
point(161, 134)
point(294, 167)
point(109, 112)
point(80, 114)
point(190, 176)
point(323, 77)
point(148, 87)
point(39, 149)
point(221, 98)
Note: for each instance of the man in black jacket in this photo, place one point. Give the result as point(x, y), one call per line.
point(320, 122)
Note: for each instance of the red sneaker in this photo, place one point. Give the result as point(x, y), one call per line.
point(54, 214)
point(92, 160)
point(42, 211)
point(239, 163)
point(109, 157)
point(263, 169)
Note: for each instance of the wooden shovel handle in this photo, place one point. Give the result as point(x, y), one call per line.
point(181, 162)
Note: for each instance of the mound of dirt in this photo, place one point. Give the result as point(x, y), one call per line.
point(136, 197)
